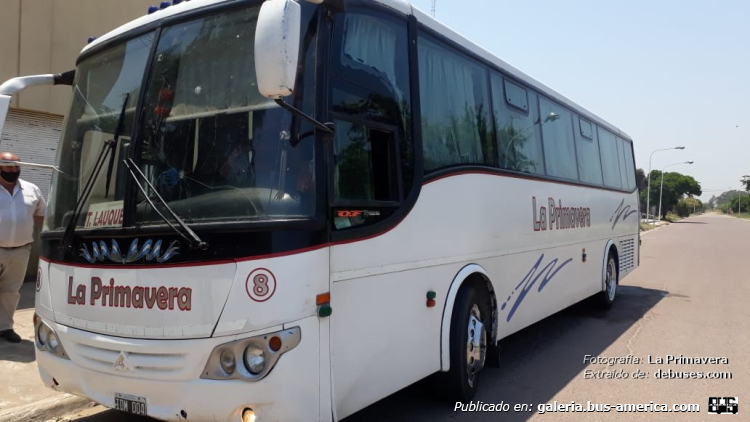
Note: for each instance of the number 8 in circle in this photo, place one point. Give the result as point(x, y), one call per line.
point(260, 285)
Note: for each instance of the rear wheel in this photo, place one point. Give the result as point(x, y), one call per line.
point(469, 334)
point(608, 295)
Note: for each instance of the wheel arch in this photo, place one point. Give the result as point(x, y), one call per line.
point(471, 273)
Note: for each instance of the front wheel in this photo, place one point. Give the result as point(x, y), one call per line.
point(608, 295)
point(468, 344)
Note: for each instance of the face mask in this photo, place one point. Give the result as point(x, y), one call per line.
point(9, 176)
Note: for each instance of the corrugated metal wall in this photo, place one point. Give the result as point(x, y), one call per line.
point(33, 136)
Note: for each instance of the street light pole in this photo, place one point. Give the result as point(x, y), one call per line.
point(648, 193)
point(661, 189)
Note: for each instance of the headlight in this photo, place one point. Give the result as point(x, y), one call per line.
point(52, 342)
point(227, 361)
point(43, 334)
point(257, 355)
point(47, 339)
point(255, 359)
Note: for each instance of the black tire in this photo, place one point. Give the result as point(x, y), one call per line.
point(611, 281)
point(457, 384)
point(493, 356)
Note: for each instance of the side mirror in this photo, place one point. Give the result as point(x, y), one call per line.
point(20, 83)
point(4, 106)
point(277, 47)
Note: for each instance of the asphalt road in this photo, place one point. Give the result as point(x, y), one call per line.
point(689, 297)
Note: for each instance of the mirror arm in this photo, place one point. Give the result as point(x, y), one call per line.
point(325, 127)
point(65, 78)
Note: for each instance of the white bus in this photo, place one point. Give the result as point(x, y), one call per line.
point(290, 210)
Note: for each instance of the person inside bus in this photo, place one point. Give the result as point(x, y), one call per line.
point(302, 189)
point(238, 168)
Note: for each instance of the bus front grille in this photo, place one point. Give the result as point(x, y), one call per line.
point(114, 360)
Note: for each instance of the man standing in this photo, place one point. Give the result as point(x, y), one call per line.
point(21, 205)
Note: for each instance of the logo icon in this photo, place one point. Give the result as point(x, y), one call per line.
point(150, 250)
point(719, 405)
point(122, 364)
point(260, 285)
point(39, 279)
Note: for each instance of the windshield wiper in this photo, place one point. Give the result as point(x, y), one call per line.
point(106, 148)
point(114, 143)
point(194, 241)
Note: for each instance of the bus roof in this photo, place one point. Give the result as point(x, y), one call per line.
point(405, 8)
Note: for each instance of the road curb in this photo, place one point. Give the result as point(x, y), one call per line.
point(46, 409)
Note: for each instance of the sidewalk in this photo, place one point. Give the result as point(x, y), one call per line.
point(23, 397)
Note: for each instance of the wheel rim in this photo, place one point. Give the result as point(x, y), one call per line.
point(476, 345)
point(611, 280)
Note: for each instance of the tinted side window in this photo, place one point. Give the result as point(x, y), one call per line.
point(557, 137)
point(518, 135)
point(364, 163)
point(610, 159)
point(621, 159)
point(370, 83)
point(587, 149)
point(455, 117)
point(627, 163)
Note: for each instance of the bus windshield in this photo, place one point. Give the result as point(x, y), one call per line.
point(209, 144)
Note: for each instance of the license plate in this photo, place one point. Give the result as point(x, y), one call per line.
point(130, 404)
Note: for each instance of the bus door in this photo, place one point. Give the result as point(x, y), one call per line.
point(371, 172)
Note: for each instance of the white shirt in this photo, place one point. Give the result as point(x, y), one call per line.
point(17, 212)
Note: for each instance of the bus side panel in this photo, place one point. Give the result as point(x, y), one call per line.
point(383, 337)
point(533, 285)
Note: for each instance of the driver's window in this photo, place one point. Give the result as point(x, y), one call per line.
point(364, 164)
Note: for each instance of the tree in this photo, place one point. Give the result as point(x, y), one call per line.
point(642, 184)
point(746, 182)
point(676, 185)
point(739, 202)
point(640, 180)
point(724, 201)
point(693, 205)
point(712, 202)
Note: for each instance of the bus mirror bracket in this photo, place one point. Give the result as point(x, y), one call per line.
point(277, 47)
point(14, 85)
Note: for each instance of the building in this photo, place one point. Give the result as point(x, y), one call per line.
point(45, 36)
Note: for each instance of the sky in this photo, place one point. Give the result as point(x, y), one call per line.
point(668, 73)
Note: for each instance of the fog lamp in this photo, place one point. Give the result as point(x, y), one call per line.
point(248, 415)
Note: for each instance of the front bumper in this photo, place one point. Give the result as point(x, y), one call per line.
point(167, 373)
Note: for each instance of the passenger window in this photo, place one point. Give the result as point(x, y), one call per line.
point(629, 164)
point(455, 117)
point(587, 150)
point(517, 133)
point(610, 160)
point(557, 138)
point(621, 151)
